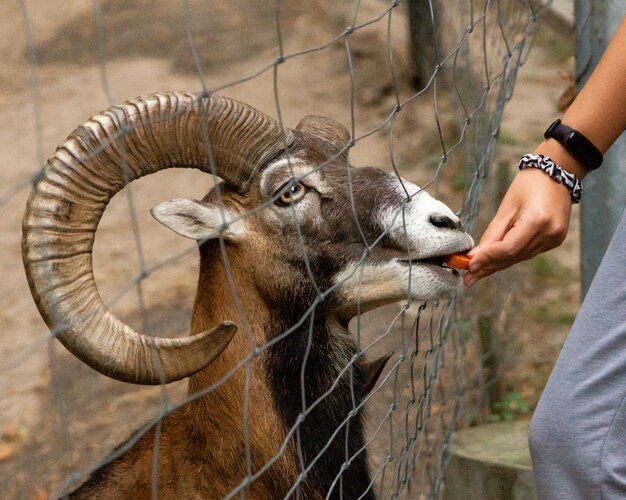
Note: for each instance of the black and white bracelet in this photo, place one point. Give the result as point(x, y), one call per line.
point(560, 175)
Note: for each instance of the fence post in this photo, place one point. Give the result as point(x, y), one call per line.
point(605, 190)
point(423, 40)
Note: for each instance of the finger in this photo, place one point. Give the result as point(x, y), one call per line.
point(510, 248)
point(497, 229)
point(504, 254)
point(522, 242)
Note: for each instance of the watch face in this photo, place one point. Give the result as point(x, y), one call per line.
point(583, 150)
point(575, 140)
point(570, 138)
point(577, 144)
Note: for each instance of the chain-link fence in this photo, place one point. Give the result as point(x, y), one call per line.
point(295, 404)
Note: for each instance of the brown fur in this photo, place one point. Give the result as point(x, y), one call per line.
point(203, 440)
point(202, 453)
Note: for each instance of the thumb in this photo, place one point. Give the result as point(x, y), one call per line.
point(496, 230)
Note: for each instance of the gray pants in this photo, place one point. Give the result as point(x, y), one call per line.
point(578, 432)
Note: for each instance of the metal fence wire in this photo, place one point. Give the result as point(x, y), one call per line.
point(352, 61)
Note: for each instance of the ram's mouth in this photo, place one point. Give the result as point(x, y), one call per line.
point(439, 261)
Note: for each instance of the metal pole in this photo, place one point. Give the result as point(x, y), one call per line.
point(423, 40)
point(604, 190)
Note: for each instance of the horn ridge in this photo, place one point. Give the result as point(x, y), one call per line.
point(97, 160)
point(331, 131)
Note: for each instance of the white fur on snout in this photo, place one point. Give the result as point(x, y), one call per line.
point(373, 285)
point(410, 227)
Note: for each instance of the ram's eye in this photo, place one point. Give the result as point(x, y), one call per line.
point(293, 194)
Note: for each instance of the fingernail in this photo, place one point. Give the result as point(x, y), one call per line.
point(471, 282)
point(475, 267)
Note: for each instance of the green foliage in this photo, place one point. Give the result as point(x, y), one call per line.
point(559, 48)
point(552, 314)
point(548, 267)
point(464, 327)
point(510, 407)
point(507, 139)
point(457, 182)
point(433, 160)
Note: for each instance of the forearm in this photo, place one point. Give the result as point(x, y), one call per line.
point(599, 111)
point(534, 214)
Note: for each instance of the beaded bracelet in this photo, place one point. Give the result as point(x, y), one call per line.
point(559, 174)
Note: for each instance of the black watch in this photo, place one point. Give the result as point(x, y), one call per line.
point(576, 144)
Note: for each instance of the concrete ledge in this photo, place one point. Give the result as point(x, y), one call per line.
point(490, 462)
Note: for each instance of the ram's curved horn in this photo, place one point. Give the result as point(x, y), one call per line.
point(327, 129)
point(97, 160)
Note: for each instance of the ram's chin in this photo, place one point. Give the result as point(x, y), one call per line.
point(366, 287)
point(431, 282)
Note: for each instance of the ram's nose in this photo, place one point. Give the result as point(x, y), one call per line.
point(442, 221)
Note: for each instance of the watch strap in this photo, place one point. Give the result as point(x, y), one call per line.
point(576, 144)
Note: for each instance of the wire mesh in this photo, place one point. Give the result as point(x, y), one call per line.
point(348, 60)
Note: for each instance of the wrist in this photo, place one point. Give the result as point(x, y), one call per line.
point(558, 174)
point(536, 181)
point(562, 157)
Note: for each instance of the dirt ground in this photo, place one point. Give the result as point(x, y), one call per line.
point(58, 418)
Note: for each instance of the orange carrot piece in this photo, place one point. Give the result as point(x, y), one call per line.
point(458, 261)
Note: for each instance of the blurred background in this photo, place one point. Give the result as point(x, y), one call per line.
point(450, 97)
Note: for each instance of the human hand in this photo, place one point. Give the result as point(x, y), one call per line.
point(532, 218)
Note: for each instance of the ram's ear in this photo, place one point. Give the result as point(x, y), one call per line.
point(198, 221)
